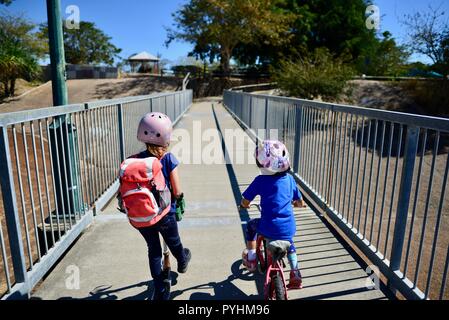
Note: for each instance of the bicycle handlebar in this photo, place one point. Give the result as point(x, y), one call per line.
point(257, 205)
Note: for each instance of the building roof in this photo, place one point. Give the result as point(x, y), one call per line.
point(143, 56)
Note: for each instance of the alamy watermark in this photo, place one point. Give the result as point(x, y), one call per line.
point(211, 146)
point(73, 19)
point(373, 17)
point(372, 282)
point(72, 281)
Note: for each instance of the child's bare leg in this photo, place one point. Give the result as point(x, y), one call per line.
point(251, 245)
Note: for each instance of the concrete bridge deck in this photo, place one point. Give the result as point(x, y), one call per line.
point(112, 258)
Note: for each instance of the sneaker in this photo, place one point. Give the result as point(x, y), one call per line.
point(182, 268)
point(161, 295)
point(250, 265)
point(295, 281)
point(166, 276)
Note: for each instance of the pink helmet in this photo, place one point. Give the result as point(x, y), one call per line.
point(155, 128)
point(272, 157)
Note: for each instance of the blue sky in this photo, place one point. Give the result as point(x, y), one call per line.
point(138, 25)
point(392, 11)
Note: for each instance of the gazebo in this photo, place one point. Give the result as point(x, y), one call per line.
point(144, 59)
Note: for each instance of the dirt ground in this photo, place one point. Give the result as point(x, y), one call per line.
point(85, 90)
point(373, 94)
point(381, 95)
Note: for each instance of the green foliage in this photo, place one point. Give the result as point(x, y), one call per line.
point(384, 58)
point(442, 66)
point(6, 2)
point(319, 74)
point(216, 27)
point(338, 25)
point(181, 71)
point(86, 45)
point(17, 29)
point(19, 50)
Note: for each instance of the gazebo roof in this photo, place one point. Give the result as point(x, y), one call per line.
point(143, 56)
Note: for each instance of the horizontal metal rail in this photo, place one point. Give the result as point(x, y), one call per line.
point(381, 176)
point(59, 166)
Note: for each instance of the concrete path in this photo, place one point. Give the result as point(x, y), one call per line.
point(112, 257)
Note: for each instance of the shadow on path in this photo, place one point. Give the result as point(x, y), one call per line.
point(243, 214)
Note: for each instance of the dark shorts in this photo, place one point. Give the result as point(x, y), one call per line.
point(251, 233)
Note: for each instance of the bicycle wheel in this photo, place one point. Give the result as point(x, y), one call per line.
point(279, 289)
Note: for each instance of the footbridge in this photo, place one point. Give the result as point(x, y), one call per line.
point(375, 182)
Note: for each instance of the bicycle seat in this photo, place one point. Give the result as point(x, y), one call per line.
point(278, 248)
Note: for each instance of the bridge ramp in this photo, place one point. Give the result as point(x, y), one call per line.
point(111, 257)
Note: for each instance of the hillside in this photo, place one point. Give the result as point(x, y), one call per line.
point(377, 95)
point(91, 89)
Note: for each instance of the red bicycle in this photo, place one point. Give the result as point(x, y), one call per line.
point(270, 257)
point(271, 262)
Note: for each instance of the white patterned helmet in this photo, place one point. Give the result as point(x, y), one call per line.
point(272, 157)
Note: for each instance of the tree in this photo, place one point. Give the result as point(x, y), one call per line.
point(319, 74)
point(86, 45)
point(19, 50)
point(223, 24)
point(15, 62)
point(428, 34)
point(338, 25)
point(384, 58)
point(6, 2)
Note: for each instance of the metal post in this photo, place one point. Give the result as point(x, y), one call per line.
point(410, 150)
point(250, 111)
point(121, 132)
point(11, 209)
point(59, 89)
point(266, 119)
point(57, 58)
point(297, 151)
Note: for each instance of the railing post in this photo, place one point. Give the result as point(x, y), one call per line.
point(121, 134)
point(250, 111)
point(266, 119)
point(410, 150)
point(11, 209)
point(297, 151)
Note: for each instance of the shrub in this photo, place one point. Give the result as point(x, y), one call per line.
point(318, 75)
point(431, 95)
point(181, 70)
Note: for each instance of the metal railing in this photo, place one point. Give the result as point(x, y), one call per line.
point(380, 176)
point(58, 166)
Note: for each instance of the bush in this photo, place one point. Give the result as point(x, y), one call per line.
point(181, 71)
point(431, 96)
point(318, 75)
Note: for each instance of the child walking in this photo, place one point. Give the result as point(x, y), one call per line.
point(277, 190)
point(155, 131)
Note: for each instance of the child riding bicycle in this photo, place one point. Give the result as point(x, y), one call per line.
point(277, 190)
point(155, 131)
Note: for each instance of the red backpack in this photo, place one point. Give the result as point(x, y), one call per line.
point(144, 195)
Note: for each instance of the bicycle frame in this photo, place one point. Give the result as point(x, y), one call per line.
point(274, 268)
point(268, 265)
